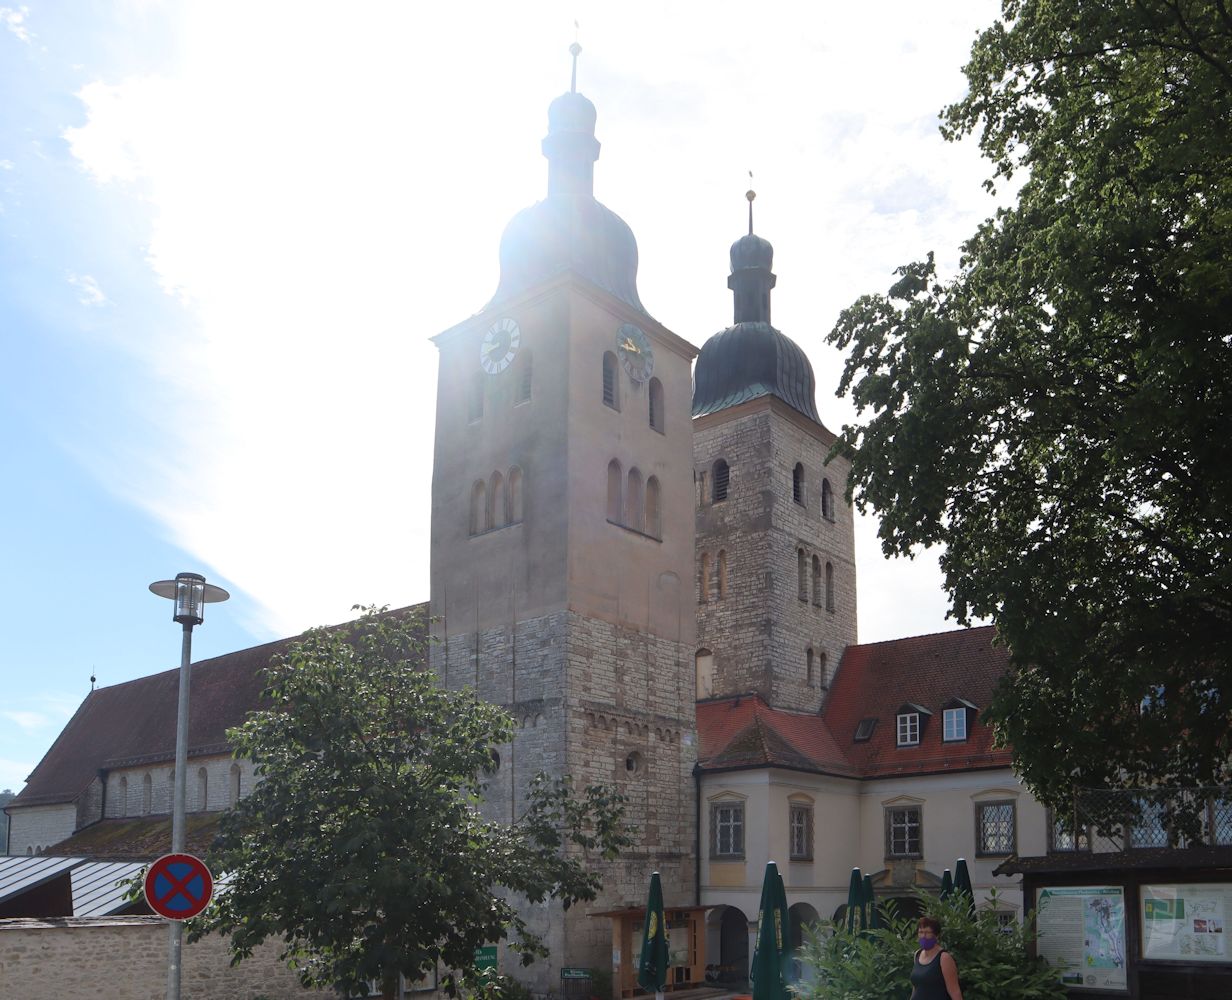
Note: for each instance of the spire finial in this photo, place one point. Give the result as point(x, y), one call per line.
point(750, 194)
point(92, 678)
point(575, 50)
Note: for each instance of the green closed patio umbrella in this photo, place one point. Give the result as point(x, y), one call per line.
point(855, 893)
point(962, 883)
point(770, 956)
point(947, 884)
point(652, 967)
point(872, 919)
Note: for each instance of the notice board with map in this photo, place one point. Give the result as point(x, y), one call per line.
point(1186, 922)
point(1082, 935)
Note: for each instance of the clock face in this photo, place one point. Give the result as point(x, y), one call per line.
point(499, 346)
point(633, 347)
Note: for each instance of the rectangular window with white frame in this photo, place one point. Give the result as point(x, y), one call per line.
point(994, 828)
point(904, 828)
point(954, 725)
point(727, 830)
point(908, 729)
point(801, 832)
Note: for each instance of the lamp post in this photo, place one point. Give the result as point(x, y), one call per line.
point(191, 594)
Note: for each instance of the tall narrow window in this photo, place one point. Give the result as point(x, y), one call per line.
point(801, 575)
point(827, 500)
point(808, 661)
point(705, 674)
point(722, 581)
point(703, 579)
point(800, 826)
point(496, 501)
point(703, 483)
point(615, 490)
point(634, 502)
point(797, 484)
point(476, 398)
point(817, 581)
point(514, 493)
point(653, 517)
point(123, 797)
point(721, 473)
point(147, 794)
point(821, 669)
point(525, 378)
point(829, 587)
point(656, 405)
point(479, 507)
point(203, 789)
point(903, 832)
point(611, 387)
point(727, 830)
point(233, 791)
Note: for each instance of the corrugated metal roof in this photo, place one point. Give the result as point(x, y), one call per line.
point(95, 890)
point(19, 874)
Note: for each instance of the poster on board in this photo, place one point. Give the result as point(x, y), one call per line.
point(1186, 922)
point(1082, 935)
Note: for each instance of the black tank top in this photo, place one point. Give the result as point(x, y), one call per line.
point(927, 980)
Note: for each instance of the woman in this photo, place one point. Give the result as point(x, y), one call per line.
point(934, 976)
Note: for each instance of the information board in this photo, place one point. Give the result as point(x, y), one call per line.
point(1186, 922)
point(1082, 934)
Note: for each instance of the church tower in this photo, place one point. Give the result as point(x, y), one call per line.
point(562, 531)
point(775, 569)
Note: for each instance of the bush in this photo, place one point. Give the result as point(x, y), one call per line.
point(993, 963)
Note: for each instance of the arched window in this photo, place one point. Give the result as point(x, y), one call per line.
point(233, 789)
point(801, 575)
point(525, 376)
point(817, 581)
point(513, 509)
point(827, 500)
point(821, 669)
point(656, 405)
point(722, 573)
point(634, 501)
point(479, 507)
point(705, 673)
point(703, 579)
point(496, 501)
point(829, 587)
point(123, 796)
point(476, 399)
point(614, 491)
point(654, 520)
point(203, 789)
point(720, 475)
point(808, 660)
point(797, 484)
point(611, 385)
point(147, 794)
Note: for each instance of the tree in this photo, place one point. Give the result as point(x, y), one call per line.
point(363, 846)
point(1056, 415)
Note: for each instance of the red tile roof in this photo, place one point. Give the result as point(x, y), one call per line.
point(133, 723)
point(873, 681)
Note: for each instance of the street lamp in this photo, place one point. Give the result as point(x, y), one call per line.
point(191, 594)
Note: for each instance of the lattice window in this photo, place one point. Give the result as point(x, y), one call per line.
point(994, 828)
point(801, 832)
point(727, 830)
point(903, 832)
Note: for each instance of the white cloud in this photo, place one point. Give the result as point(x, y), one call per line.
point(7, 165)
point(29, 721)
point(323, 211)
point(14, 19)
point(88, 292)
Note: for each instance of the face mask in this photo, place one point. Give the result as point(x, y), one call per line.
point(927, 941)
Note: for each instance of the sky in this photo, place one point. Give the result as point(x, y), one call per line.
point(227, 231)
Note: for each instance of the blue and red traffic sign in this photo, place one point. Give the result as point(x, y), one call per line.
point(178, 886)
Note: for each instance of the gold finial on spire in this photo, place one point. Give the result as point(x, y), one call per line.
point(750, 194)
point(575, 49)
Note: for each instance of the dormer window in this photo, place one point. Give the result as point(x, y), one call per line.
point(956, 720)
point(911, 721)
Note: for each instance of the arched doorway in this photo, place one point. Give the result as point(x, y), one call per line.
point(901, 907)
point(733, 948)
point(800, 917)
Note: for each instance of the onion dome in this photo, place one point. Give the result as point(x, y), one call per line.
point(569, 230)
point(752, 358)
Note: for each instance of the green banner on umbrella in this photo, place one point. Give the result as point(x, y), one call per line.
point(652, 967)
point(771, 954)
point(962, 883)
point(855, 895)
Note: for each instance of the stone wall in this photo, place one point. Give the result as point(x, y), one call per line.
point(125, 958)
point(34, 828)
point(125, 795)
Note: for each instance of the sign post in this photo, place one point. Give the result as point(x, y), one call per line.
point(178, 886)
